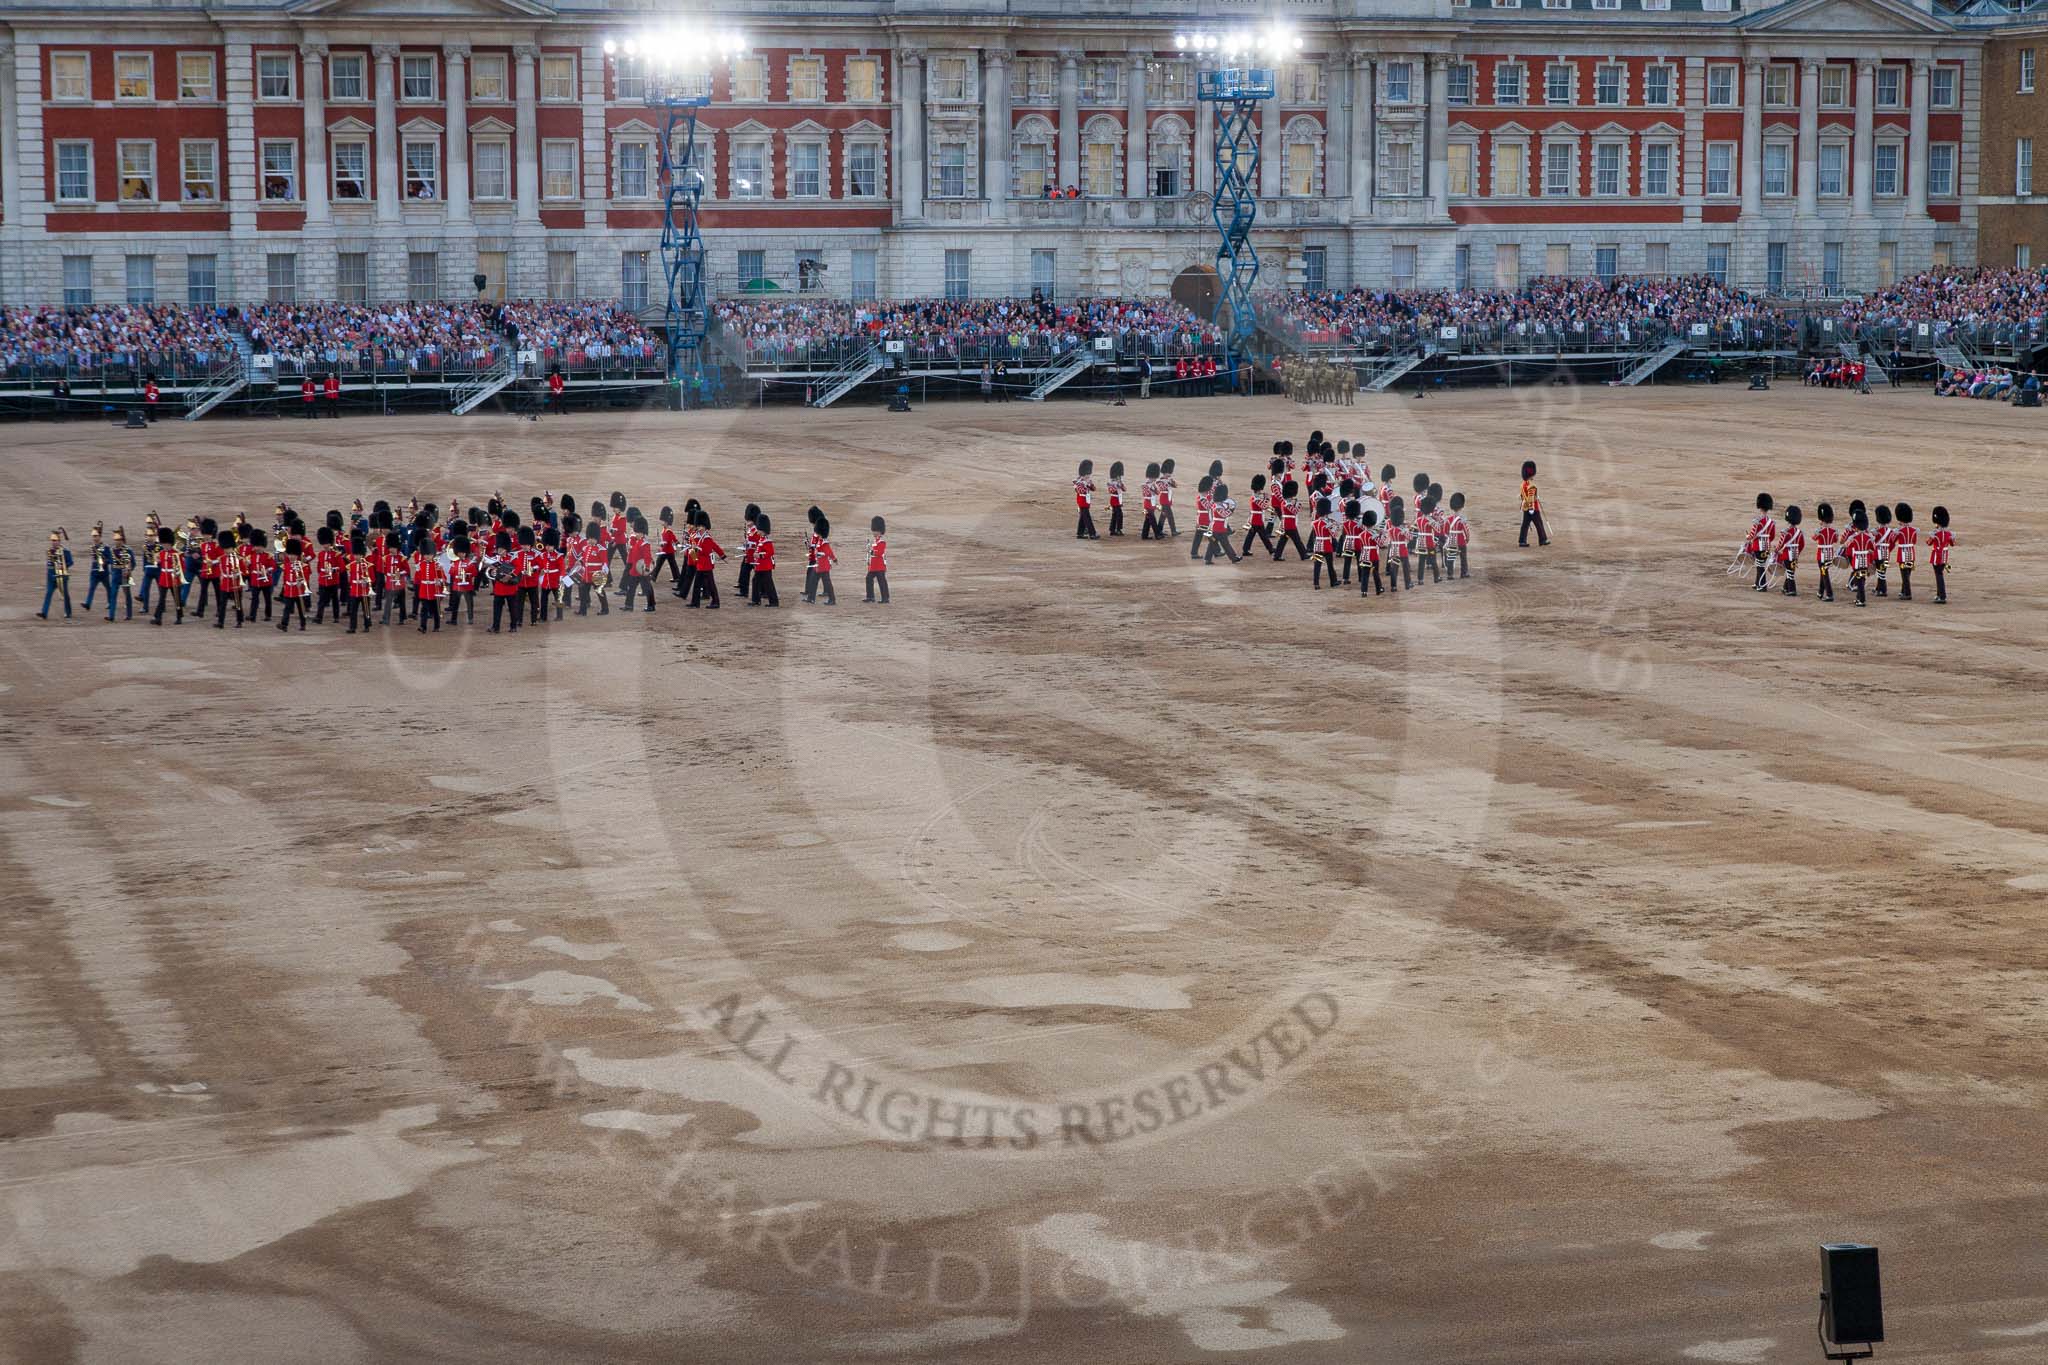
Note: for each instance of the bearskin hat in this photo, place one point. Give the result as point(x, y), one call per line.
point(334, 517)
point(1315, 438)
point(1457, 502)
point(667, 513)
point(1116, 469)
point(1397, 513)
point(526, 535)
point(1855, 506)
point(1940, 515)
point(568, 503)
point(166, 536)
point(1275, 465)
point(1369, 518)
point(1152, 470)
point(814, 515)
point(1290, 489)
point(357, 545)
point(1351, 508)
point(504, 541)
point(571, 523)
point(495, 506)
point(761, 522)
point(1420, 483)
point(1166, 465)
point(208, 527)
point(537, 507)
point(1883, 514)
point(618, 501)
point(1528, 469)
point(294, 546)
point(1221, 491)
point(551, 538)
point(1763, 502)
point(1386, 473)
point(1215, 469)
point(1276, 447)
point(752, 514)
point(1322, 507)
point(1087, 468)
point(1258, 483)
point(1859, 519)
point(510, 518)
point(325, 535)
point(824, 529)
point(1793, 516)
point(1904, 512)
point(1202, 484)
point(878, 526)
point(1825, 511)
point(1343, 447)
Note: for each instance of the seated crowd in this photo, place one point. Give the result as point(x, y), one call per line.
point(1996, 381)
point(160, 335)
point(786, 330)
point(1997, 298)
point(578, 333)
point(1599, 308)
point(418, 335)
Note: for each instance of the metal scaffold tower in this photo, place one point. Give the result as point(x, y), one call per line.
point(693, 380)
point(1236, 93)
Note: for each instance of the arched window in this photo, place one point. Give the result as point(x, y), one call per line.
point(1102, 157)
point(1032, 167)
point(1301, 158)
point(1167, 158)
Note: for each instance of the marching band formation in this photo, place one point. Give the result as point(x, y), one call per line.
point(1879, 538)
point(1355, 523)
point(430, 566)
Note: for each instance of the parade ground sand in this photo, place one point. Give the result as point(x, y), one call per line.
point(1089, 957)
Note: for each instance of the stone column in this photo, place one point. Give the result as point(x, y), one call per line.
point(1916, 180)
point(526, 132)
point(1070, 120)
point(1137, 129)
point(246, 264)
point(455, 73)
point(1860, 152)
point(1752, 137)
point(1272, 117)
point(1809, 137)
point(1365, 89)
point(995, 132)
point(1205, 135)
point(910, 115)
point(1439, 135)
point(313, 170)
point(1336, 125)
point(387, 132)
point(10, 141)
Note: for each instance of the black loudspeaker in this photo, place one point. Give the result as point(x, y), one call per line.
point(136, 421)
point(1852, 1308)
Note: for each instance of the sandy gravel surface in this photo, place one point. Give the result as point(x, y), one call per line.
point(1090, 956)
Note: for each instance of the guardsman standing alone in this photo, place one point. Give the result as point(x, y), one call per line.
point(1532, 507)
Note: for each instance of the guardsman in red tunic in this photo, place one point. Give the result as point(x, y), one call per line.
point(1148, 492)
point(810, 592)
point(703, 549)
point(1825, 539)
point(1940, 544)
point(391, 585)
point(463, 567)
point(1791, 545)
point(1255, 510)
point(555, 387)
point(307, 394)
point(429, 582)
point(1905, 548)
point(1756, 545)
point(360, 577)
point(1368, 548)
point(333, 392)
point(259, 570)
point(878, 562)
point(749, 538)
point(639, 564)
point(551, 567)
point(1221, 505)
point(1397, 546)
point(1322, 546)
point(1458, 536)
point(503, 566)
point(330, 569)
point(170, 576)
point(764, 565)
point(1425, 539)
point(827, 557)
point(666, 545)
point(209, 565)
point(295, 582)
point(615, 540)
point(1883, 534)
point(1532, 507)
point(150, 395)
point(1860, 549)
point(227, 584)
point(1084, 496)
point(1202, 503)
point(1116, 498)
point(596, 569)
point(1167, 524)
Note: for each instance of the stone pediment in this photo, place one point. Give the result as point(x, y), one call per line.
point(450, 10)
point(1837, 18)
